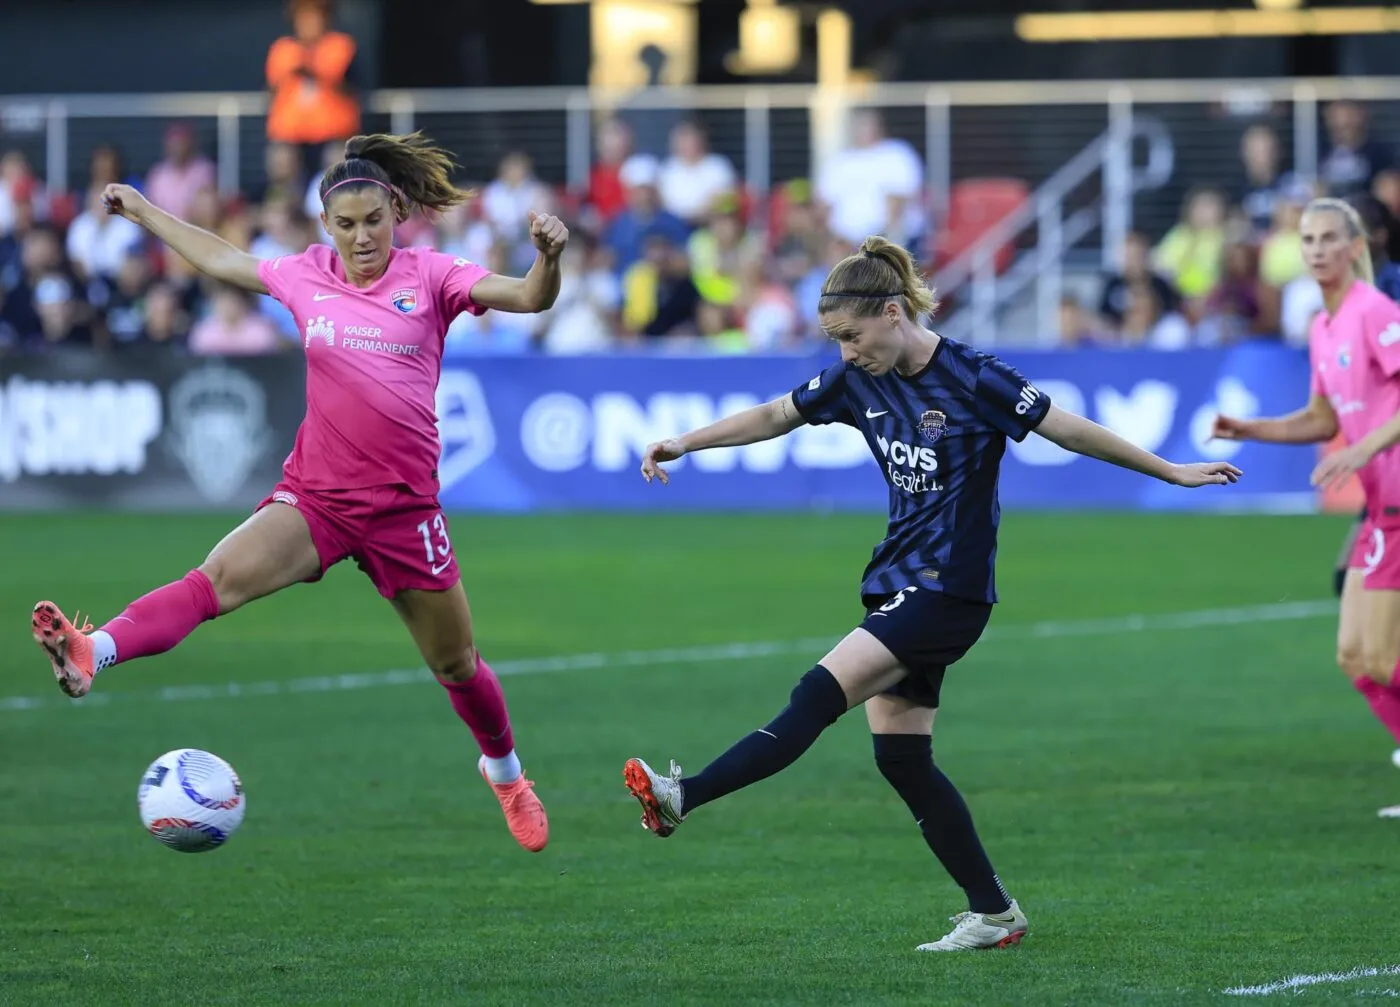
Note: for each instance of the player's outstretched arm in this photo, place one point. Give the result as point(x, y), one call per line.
point(209, 253)
point(540, 286)
point(1085, 437)
point(761, 423)
point(1313, 424)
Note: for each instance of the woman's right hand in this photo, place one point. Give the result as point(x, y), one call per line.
point(661, 451)
point(126, 202)
point(1227, 428)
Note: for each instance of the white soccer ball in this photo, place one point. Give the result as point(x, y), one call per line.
point(190, 800)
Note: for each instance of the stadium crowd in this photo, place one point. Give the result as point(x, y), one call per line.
point(666, 250)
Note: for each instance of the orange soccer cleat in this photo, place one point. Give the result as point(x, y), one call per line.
point(524, 812)
point(68, 649)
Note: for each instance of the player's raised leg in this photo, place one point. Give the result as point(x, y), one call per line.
point(441, 625)
point(856, 668)
point(902, 734)
point(271, 550)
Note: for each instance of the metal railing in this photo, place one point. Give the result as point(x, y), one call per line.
point(777, 132)
point(52, 114)
point(1056, 231)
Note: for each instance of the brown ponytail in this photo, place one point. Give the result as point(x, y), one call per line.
point(416, 173)
point(864, 283)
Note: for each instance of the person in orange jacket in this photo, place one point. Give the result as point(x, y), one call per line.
point(311, 76)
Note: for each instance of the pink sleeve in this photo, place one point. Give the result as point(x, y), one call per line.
point(454, 279)
point(279, 275)
point(1382, 324)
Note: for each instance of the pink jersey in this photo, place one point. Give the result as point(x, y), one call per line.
point(373, 359)
point(1355, 363)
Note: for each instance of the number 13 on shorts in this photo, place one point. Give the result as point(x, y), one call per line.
point(436, 544)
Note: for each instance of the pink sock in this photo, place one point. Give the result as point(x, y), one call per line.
point(156, 622)
point(1385, 704)
point(481, 704)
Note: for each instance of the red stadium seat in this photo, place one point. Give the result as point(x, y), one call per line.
point(777, 210)
point(63, 209)
point(748, 199)
point(975, 206)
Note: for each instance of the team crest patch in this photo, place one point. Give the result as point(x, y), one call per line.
point(405, 300)
point(932, 424)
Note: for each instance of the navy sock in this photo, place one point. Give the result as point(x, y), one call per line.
point(906, 761)
point(816, 703)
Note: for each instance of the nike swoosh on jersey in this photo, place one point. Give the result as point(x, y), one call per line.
point(871, 415)
point(323, 297)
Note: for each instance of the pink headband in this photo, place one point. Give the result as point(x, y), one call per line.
point(371, 181)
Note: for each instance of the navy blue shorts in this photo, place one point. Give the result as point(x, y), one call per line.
point(927, 631)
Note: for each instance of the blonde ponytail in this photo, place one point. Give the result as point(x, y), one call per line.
point(880, 272)
point(1362, 265)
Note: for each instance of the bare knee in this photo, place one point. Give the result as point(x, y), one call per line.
point(1352, 662)
point(227, 587)
point(454, 666)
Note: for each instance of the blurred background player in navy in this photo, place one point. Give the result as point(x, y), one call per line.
point(936, 414)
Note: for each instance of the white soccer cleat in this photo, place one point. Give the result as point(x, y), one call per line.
point(1391, 812)
point(660, 796)
point(981, 931)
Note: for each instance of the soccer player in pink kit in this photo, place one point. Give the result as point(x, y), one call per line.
point(361, 481)
point(1355, 351)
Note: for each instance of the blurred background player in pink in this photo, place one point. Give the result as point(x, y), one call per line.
point(1354, 345)
point(362, 480)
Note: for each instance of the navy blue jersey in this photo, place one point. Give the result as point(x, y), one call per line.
point(1388, 281)
point(939, 435)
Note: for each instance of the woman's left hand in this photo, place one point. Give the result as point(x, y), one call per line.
point(1340, 464)
point(548, 233)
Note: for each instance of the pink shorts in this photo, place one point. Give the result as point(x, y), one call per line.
point(399, 539)
point(1377, 554)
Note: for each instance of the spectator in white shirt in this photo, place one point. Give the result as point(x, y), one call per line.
point(462, 234)
point(584, 318)
point(98, 242)
point(507, 201)
point(875, 186)
point(692, 176)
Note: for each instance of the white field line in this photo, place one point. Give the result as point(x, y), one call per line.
point(1294, 983)
point(1113, 626)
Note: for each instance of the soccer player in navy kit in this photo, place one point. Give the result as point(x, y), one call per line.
point(936, 414)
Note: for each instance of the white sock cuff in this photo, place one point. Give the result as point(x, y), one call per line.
point(104, 651)
point(503, 770)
